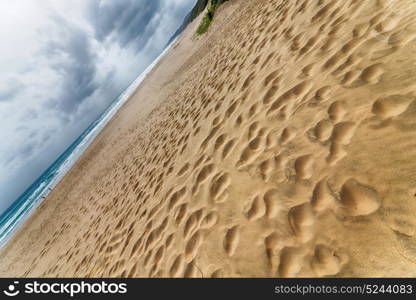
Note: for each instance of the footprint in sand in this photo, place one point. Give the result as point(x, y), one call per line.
point(337, 111)
point(193, 245)
point(210, 220)
point(271, 244)
point(291, 262)
point(302, 221)
point(325, 261)
point(359, 199)
point(219, 186)
point(203, 176)
point(391, 106)
point(257, 209)
point(271, 201)
point(176, 198)
point(321, 196)
point(343, 133)
point(304, 166)
point(287, 135)
point(266, 168)
point(372, 74)
point(228, 148)
point(178, 266)
point(323, 93)
point(231, 240)
point(322, 130)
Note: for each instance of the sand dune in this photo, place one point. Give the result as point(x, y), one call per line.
point(281, 144)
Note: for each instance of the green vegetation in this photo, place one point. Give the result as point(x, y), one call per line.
point(206, 21)
point(198, 8)
point(209, 16)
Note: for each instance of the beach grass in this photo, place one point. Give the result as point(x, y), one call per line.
point(209, 16)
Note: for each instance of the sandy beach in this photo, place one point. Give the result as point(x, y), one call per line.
point(282, 143)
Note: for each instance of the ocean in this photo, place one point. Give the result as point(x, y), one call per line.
point(26, 204)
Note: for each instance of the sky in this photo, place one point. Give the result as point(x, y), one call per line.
point(62, 62)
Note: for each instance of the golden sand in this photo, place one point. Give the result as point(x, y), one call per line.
point(282, 143)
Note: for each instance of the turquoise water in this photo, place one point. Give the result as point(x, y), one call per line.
point(22, 208)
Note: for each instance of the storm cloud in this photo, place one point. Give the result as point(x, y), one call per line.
point(62, 63)
point(123, 18)
point(78, 68)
